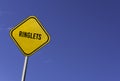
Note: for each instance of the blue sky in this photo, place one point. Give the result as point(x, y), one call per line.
point(84, 46)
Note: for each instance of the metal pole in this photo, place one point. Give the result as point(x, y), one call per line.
point(24, 68)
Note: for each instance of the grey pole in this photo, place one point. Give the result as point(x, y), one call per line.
point(24, 68)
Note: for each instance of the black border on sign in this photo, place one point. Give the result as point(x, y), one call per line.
point(31, 53)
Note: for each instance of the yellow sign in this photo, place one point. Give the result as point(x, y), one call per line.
point(30, 35)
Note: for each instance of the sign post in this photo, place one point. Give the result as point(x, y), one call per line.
point(29, 36)
point(24, 68)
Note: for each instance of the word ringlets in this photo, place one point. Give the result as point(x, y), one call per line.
point(30, 35)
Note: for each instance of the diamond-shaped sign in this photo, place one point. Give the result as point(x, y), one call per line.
point(30, 35)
